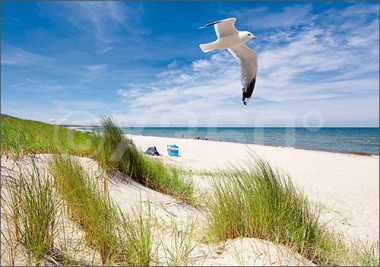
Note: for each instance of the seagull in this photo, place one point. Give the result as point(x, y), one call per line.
point(233, 40)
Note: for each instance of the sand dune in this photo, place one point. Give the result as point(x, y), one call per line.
point(346, 186)
point(171, 218)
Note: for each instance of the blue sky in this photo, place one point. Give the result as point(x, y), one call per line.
point(72, 62)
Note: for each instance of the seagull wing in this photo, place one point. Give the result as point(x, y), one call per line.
point(223, 27)
point(248, 68)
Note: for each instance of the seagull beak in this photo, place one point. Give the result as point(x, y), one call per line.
point(253, 36)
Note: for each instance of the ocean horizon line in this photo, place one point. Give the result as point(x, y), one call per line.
point(205, 127)
point(353, 140)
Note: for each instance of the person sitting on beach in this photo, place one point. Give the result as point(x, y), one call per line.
point(152, 151)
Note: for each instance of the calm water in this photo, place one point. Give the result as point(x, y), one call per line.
point(345, 140)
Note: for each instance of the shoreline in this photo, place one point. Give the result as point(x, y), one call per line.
point(358, 153)
point(249, 146)
point(342, 188)
point(346, 185)
point(355, 153)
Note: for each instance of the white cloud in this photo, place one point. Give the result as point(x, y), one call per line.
point(103, 20)
point(100, 17)
point(11, 55)
point(314, 68)
point(262, 18)
point(131, 93)
point(94, 68)
point(173, 64)
point(326, 63)
point(91, 72)
point(77, 105)
point(38, 86)
point(17, 85)
point(174, 77)
point(106, 50)
point(201, 64)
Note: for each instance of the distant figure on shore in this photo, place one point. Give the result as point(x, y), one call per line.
point(152, 151)
point(183, 135)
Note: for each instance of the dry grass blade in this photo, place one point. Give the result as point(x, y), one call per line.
point(87, 205)
point(259, 202)
point(120, 153)
point(32, 212)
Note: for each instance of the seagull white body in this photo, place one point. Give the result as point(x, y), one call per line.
point(233, 40)
point(226, 42)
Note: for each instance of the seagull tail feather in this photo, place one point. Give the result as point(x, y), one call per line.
point(207, 47)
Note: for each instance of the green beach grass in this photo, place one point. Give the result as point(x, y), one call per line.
point(120, 153)
point(119, 238)
point(254, 201)
point(86, 205)
point(259, 202)
point(32, 215)
point(138, 241)
point(32, 210)
point(112, 150)
point(22, 137)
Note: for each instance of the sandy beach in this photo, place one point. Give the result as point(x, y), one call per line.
point(345, 187)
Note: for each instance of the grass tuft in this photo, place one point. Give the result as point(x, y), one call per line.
point(137, 235)
point(256, 201)
point(21, 137)
point(120, 153)
point(32, 212)
point(111, 149)
point(178, 252)
point(87, 205)
point(119, 238)
point(259, 202)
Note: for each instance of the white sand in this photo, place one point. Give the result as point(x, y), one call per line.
point(171, 221)
point(346, 185)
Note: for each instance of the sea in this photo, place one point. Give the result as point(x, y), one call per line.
point(362, 141)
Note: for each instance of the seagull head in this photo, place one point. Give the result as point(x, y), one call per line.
point(247, 36)
point(251, 36)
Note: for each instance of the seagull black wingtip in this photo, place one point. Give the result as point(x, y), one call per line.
point(209, 24)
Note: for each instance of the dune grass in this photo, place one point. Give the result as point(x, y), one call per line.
point(119, 238)
point(254, 202)
point(259, 202)
point(120, 153)
point(178, 251)
point(138, 238)
point(111, 149)
point(20, 137)
point(87, 205)
point(32, 213)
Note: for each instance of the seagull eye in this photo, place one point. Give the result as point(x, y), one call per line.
point(249, 34)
